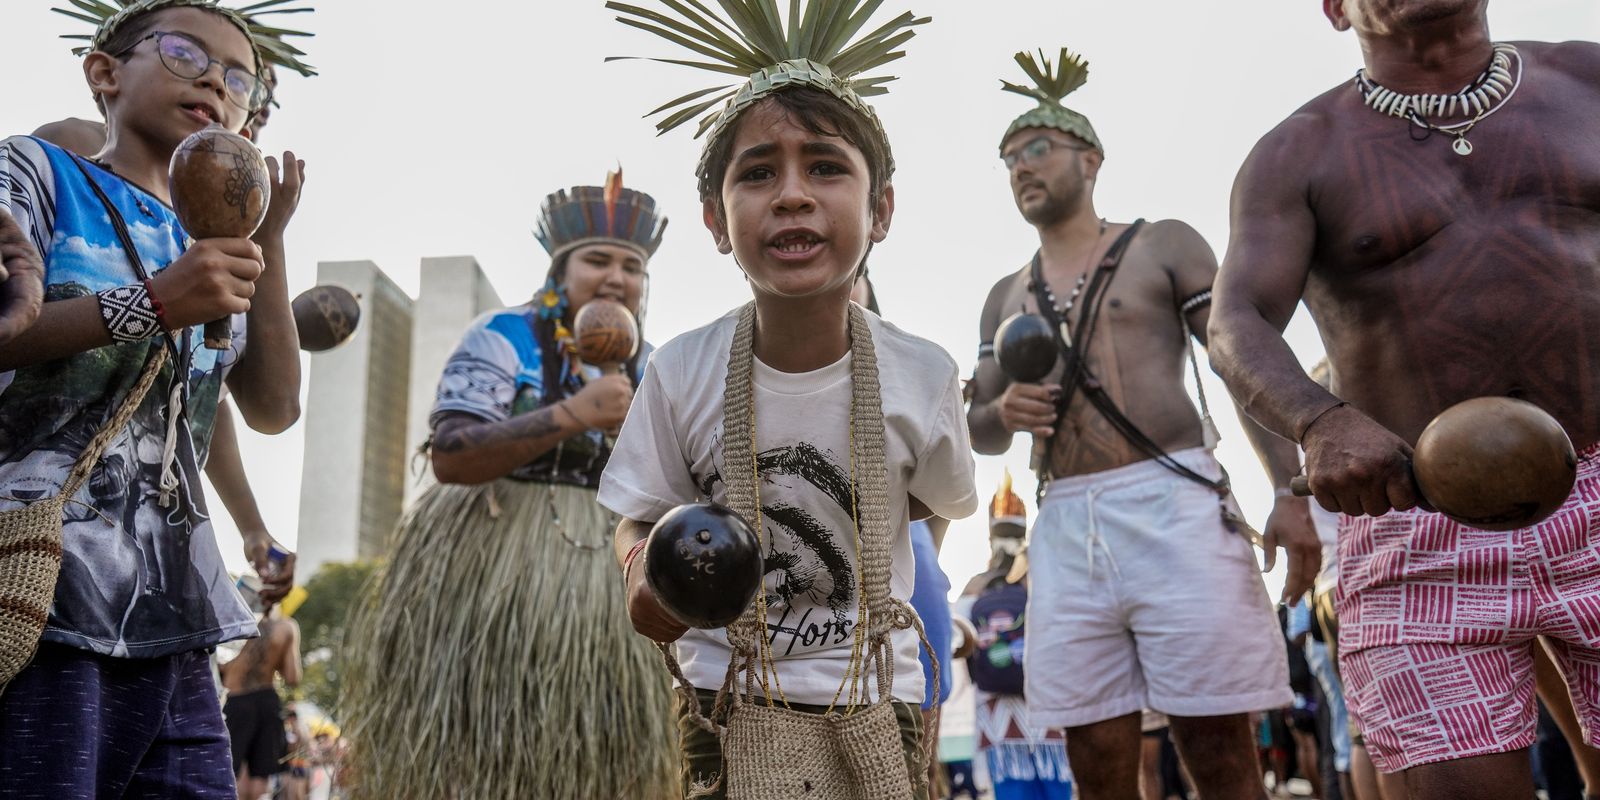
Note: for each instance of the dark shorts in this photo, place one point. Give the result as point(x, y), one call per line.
point(75, 724)
point(702, 752)
point(255, 727)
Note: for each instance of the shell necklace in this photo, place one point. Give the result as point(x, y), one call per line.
point(1481, 98)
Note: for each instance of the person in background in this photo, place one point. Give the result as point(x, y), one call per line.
point(1023, 761)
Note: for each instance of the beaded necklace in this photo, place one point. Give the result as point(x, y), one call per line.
point(1077, 288)
point(1482, 98)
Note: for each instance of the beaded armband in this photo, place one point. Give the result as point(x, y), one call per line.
point(1199, 299)
point(130, 313)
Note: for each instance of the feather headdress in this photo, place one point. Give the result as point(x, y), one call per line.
point(271, 47)
point(1051, 83)
point(751, 41)
point(611, 214)
point(1007, 507)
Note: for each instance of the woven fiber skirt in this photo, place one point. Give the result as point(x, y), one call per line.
point(492, 656)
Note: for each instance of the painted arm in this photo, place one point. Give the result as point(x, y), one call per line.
point(1354, 464)
point(1289, 526)
point(466, 449)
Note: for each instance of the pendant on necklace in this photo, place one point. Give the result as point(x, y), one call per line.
point(1066, 334)
point(1462, 146)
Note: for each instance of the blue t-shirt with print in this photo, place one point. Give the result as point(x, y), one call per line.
point(138, 579)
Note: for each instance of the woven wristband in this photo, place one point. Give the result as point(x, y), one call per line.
point(128, 313)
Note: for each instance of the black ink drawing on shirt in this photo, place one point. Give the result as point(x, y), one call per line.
point(812, 561)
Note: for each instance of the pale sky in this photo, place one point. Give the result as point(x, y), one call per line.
point(437, 130)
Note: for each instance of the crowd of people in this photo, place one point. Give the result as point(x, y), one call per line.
point(518, 641)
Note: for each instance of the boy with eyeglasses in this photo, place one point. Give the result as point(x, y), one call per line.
point(223, 465)
point(119, 698)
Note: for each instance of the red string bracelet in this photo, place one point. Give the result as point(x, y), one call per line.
point(633, 553)
point(155, 303)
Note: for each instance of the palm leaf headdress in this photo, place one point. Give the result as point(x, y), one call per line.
point(270, 42)
point(817, 47)
point(1051, 83)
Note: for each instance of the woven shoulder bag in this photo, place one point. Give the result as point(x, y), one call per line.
point(30, 539)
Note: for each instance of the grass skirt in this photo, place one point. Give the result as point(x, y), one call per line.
point(493, 658)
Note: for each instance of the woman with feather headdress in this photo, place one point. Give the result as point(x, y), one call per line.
point(491, 658)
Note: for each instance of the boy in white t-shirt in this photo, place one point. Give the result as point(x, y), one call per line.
point(795, 185)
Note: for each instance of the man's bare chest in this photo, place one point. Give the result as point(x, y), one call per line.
point(1387, 191)
point(1133, 310)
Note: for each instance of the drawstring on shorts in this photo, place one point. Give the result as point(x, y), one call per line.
point(1094, 539)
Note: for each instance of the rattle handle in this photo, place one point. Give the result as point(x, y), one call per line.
point(1300, 485)
point(219, 334)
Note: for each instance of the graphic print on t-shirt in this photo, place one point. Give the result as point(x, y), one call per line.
point(810, 573)
point(141, 575)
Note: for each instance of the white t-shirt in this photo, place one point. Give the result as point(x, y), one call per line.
point(670, 453)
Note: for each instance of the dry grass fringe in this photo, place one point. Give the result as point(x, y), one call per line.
point(491, 659)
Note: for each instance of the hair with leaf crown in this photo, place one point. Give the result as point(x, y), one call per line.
point(1051, 83)
point(813, 50)
point(109, 16)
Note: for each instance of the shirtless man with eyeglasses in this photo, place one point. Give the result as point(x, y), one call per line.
point(1141, 595)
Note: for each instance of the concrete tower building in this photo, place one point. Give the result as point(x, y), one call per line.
point(453, 293)
point(353, 473)
point(368, 404)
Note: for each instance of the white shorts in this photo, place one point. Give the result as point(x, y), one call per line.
point(1140, 598)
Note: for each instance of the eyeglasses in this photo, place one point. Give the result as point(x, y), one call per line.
point(185, 58)
point(1035, 149)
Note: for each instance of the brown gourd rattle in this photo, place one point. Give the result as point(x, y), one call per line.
point(325, 316)
point(220, 189)
point(605, 334)
point(1492, 463)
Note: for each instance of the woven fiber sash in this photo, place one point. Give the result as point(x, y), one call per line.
point(30, 539)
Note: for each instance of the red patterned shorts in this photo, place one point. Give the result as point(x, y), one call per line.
point(1438, 621)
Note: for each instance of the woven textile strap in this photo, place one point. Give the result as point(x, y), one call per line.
point(30, 539)
point(872, 477)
